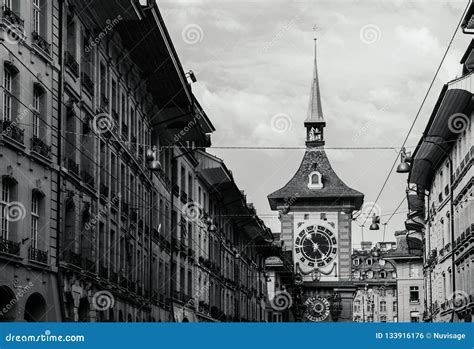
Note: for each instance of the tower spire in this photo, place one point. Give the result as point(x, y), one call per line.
point(315, 111)
point(314, 122)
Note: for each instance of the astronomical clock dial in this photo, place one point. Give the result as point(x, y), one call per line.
point(317, 308)
point(315, 246)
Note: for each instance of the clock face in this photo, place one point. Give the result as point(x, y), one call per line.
point(315, 246)
point(317, 308)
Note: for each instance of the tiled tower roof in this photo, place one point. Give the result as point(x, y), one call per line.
point(315, 159)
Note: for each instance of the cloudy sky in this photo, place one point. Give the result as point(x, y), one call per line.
point(254, 60)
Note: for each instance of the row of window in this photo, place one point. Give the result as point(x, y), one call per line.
point(371, 274)
point(382, 306)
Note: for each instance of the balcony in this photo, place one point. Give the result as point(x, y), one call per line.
point(39, 41)
point(13, 18)
point(87, 83)
point(37, 255)
point(71, 63)
point(88, 179)
point(72, 167)
point(40, 147)
point(104, 190)
point(12, 131)
point(9, 247)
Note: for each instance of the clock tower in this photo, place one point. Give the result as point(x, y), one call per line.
point(316, 209)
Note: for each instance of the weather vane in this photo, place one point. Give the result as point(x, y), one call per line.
point(315, 29)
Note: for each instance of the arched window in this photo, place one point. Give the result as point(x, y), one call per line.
point(315, 180)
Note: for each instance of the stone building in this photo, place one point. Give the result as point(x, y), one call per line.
point(316, 209)
point(30, 77)
point(440, 197)
point(408, 261)
point(375, 280)
point(103, 153)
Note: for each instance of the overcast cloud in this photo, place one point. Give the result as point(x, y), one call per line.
point(254, 60)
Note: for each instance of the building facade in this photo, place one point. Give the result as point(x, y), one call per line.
point(29, 175)
point(408, 261)
point(103, 161)
point(316, 209)
point(375, 280)
point(440, 198)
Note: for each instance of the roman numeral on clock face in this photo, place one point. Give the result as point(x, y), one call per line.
point(315, 246)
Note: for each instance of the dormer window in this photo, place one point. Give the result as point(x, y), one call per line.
point(315, 180)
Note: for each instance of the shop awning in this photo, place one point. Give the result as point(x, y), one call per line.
point(436, 143)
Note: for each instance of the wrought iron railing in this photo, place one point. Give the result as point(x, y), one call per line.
point(39, 41)
point(11, 130)
point(10, 247)
point(40, 147)
point(38, 255)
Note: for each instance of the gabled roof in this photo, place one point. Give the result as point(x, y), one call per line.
point(334, 189)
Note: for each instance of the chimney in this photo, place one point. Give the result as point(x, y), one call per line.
point(366, 245)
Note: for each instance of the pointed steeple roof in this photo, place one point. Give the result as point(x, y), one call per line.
point(315, 111)
point(334, 192)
